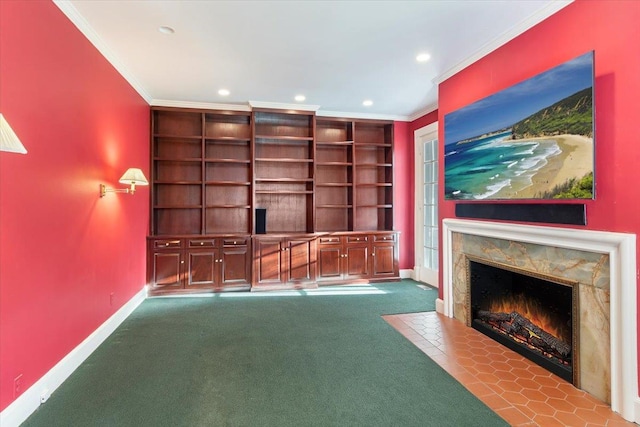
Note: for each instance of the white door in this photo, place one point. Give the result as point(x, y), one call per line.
point(426, 149)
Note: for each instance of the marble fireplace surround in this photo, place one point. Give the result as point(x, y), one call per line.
point(618, 249)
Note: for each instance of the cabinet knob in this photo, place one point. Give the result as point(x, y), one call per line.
point(201, 243)
point(373, 254)
point(181, 262)
point(234, 242)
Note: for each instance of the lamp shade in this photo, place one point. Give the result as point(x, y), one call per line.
point(9, 141)
point(134, 176)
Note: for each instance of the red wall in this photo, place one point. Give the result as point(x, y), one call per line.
point(404, 185)
point(63, 250)
point(611, 29)
point(403, 192)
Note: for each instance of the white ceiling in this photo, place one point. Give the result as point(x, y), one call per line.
point(336, 53)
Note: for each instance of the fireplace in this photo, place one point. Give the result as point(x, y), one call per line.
point(604, 265)
point(535, 315)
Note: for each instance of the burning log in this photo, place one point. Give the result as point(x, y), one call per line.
point(515, 324)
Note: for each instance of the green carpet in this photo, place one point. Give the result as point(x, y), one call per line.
point(319, 358)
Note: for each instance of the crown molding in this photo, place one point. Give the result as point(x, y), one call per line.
point(283, 106)
point(275, 105)
point(372, 116)
point(505, 37)
point(87, 30)
point(423, 112)
point(199, 105)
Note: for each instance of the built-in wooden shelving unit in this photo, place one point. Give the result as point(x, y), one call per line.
point(313, 176)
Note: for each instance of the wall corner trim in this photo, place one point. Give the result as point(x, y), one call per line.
point(515, 31)
point(422, 112)
point(88, 31)
point(21, 408)
point(407, 274)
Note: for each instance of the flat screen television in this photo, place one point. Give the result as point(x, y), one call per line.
point(533, 140)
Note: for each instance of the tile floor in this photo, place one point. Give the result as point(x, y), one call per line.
point(521, 392)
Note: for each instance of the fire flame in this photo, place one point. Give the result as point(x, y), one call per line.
point(530, 310)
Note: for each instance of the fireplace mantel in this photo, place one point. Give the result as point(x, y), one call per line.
point(621, 249)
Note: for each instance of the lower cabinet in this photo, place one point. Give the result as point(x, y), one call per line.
point(384, 256)
point(343, 258)
point(196, 265)
point(264, 262)
point(282, 262)
point(354, 256)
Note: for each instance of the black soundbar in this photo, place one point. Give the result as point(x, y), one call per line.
point(552, 213)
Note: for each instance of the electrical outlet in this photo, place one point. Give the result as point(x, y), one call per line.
point(111, 297)
point(17, 386)
point(44, 396)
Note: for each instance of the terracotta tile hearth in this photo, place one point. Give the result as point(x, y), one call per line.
point(521, 392)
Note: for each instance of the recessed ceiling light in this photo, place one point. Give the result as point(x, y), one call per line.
point(300, 98)
point(423, 57)
point(367, 103)
point(166, 30)
point(223, 92)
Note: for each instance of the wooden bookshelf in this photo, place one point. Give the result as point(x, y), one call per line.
point(326, 185)
point(374, 176)
point(334, 175)
point(284, 171)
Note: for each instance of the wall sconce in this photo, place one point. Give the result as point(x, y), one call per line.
point(133, 177)
point(9, 141)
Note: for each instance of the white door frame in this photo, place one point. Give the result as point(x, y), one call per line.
point(422, 273)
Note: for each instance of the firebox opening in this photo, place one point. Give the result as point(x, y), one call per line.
point(532, 314)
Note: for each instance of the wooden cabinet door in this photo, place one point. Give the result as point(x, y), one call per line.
point(269, 261)
point(383, 260)
point(329, 263)
point(167, 270)
point(202, 269)
point(330, 256)
point(300, 263)
point(356, 261)
point(235, 266)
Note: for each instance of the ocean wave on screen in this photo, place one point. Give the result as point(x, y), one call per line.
point(528, 152)
point(493, 189)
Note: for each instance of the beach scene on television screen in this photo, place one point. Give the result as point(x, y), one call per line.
point(533, 140)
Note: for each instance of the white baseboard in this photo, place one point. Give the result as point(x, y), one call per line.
point(439, 305)
point(407, 274)
point(20, 409)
